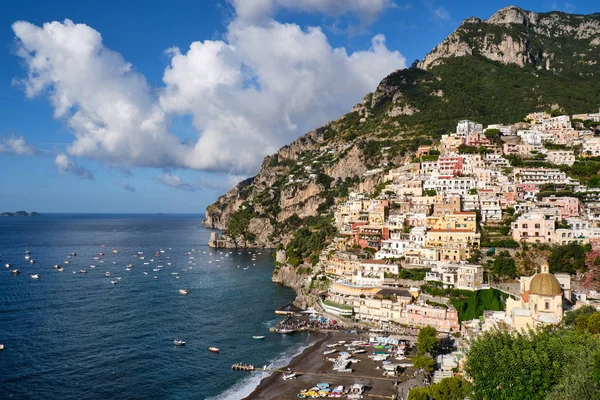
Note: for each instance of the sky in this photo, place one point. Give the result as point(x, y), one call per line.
point(161, 106)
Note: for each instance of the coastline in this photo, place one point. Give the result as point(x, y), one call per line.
point(270, 381)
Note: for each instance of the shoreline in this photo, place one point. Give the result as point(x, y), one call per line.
point(269, 381)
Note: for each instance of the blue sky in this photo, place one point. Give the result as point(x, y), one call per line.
point(256, 79)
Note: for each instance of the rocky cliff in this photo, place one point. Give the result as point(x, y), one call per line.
point(493, 71)
point(516, 36)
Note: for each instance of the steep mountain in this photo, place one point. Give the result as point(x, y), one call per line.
point(491, 71)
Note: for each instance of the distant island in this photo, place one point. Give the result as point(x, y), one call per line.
point(19, 214)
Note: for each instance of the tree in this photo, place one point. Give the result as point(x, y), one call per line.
point(425, 362)
point(593, 324)
point(418, 393)
point(427, 341)
point(504, 265)
point(592, 276)
point(568, 258)
point(454, 388)
point(531, 365)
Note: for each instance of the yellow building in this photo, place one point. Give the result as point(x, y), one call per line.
point(458, 220)
point(540, 302)
point(452, 244)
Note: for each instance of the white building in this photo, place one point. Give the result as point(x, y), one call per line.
point(465, 127)
point(561, 157)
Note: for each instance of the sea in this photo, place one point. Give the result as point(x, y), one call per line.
point(71, 335)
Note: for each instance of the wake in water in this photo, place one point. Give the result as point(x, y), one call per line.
point(247, 385)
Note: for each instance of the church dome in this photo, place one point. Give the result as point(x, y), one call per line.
point(545, 284)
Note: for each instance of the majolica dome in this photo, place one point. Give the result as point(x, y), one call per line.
point(545, 284)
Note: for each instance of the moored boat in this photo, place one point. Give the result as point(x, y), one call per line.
point(107, 273)
point(35, 276)
point(213, 349)
point(258, 337)
point(178, 342)
point(15, 271)
point(284, 330)
point(184, 291)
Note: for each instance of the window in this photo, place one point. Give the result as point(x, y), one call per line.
point(547, 305)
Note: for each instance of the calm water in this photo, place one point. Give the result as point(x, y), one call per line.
point(70, 336)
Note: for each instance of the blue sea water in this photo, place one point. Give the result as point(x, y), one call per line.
point(77, 336)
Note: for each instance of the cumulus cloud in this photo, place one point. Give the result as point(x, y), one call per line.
point(175, 182)
point(127, 186)
point(65, 165)
point(258, 89)
point(16, 145)
point(256, 11)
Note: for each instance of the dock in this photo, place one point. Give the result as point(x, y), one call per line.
point(242, 367)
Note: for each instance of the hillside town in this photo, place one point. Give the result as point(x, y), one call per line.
point(442, 232)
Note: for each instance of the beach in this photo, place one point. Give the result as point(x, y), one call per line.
point(312, 367)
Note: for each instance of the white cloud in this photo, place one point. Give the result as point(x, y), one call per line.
point(175, 182)
point(441, 13)
point(65, 165)
point(127, 186)
point(16, 145)
point(260, 88)
point(256, 11)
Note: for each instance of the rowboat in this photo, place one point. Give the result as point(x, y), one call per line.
point(213, 349)
point(258, 337)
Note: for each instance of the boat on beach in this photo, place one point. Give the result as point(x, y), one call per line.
point(213, 349)
point(289, 376)
point(178, 342)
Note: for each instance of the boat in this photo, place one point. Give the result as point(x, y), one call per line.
point(329, 352)
point(113, 282)
point(55, 266)
point(82, 271)
point(67, 262)
point(15, 272)
point(115, 251)
point(32, 261)
point(92, 266)
point(35, 276)
point(73, 254)
point(60, 270)
point(1, 347)
point(258, 337)
point(7, 265)
point(213, 349)
point(289, 376)
point(27, 257)
point(145, 273)
point(107, 273)
point(100, 254)
point(178, 342)
point(284, 331)
point(184, 291)
point(129, 265)
point(27, 252)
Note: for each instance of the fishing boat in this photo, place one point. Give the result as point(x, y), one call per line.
point(107, 274)
point(184, 291)
point(258, 337)
point(35, 276)
point(213, 349)
point(178, 342)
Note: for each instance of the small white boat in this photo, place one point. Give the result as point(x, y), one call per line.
point(73, 254)
point(27, 257)
point(178, 342)
point(92, 266)
point(145, 273)
point(113, 282)
point(67, 262)
point(258, 337)
point(1, 347)
point(32, 261)
point(213, 349)
point(289, 376)
point(82, 271)
point(7, 265)
point(55, 266)
point(15, 271)
point(61, 270)
point(184, 291)
point(155, 277)
point(107, 274)
point(329, 352)
point(35, 276)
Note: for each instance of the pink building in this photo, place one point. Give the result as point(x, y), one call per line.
point(443, 320)
point(526, 191)
point(535, 227)
point(451, 165)
point(568, 206)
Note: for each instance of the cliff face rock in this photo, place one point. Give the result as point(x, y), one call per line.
point(516, 36)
